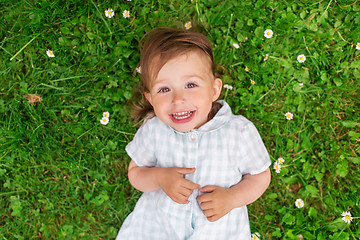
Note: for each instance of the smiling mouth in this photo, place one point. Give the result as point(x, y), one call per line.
point(182, 115)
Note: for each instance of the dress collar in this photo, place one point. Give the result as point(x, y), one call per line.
point(221, 117)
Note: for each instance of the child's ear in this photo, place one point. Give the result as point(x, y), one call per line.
point(217, 86)
point(148, 97)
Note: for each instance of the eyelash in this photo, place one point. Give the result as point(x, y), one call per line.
point(191, 84)
point(165, 89)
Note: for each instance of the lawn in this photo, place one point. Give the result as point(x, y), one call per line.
point(63, 174)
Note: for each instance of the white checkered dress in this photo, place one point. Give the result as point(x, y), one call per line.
point(222, 151)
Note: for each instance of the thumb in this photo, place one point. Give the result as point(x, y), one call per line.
point(185, 170)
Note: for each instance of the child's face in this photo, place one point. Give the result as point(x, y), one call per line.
point(183, 91)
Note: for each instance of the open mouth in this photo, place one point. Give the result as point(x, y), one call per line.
point(182, 116)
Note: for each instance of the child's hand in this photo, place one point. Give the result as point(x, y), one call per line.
point(179, 189)
point(216, 202)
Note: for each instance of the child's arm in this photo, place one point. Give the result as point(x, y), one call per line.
point(170, 180)
point(218, 201)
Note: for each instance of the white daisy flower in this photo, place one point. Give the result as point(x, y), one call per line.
point(268, 33)
point(299, 203)
point(358, 46)
point(266, 57)
point(255, 236)
point(104, 121)
point(301, 58)
point(301, 84)
point(281, 160)
point(289, 115)
point(109, 13)
point(227, 86)
point(347, 217)
point(50, 53)
point(277, 167)
point(247, 69)
point(188, 25)
point(106, 114)
point(252, 82)
point(235, 45)
point(126, 14)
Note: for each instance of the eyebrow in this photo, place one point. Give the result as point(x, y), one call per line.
point(156, 81)
point(193, 76)
point(159, 81)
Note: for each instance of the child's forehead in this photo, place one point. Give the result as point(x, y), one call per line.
point(187, 57)
point(192, 64)
point(158, 62)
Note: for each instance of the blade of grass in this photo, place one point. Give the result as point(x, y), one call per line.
point(102, 18)
point(49, 86)
point(125, 133)
point(226, 37)
point(326, 8)
point(342, 37)
point(85, 132)
point(23, 48)
point(198, 11)
point(63, 79)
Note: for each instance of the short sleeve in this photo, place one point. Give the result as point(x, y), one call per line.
point(255, 157)
point(141, 148)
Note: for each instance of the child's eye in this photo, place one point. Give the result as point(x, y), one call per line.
point(164, 90)
point(191, 85)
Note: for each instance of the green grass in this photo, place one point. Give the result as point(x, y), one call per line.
point(63, 174)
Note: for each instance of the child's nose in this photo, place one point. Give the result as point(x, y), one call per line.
point(178, 97)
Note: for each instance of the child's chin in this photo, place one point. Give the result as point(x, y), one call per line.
point(183, 128)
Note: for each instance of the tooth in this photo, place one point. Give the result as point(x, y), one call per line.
point(182, 115)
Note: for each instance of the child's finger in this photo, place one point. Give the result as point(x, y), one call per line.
point(185, 170)
point(206, 205)
point(186, 192)
point(190, 185)
point(213, 218)
point(180, 200)
point(204, 198)
point(209, 213)
point(209, 188)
